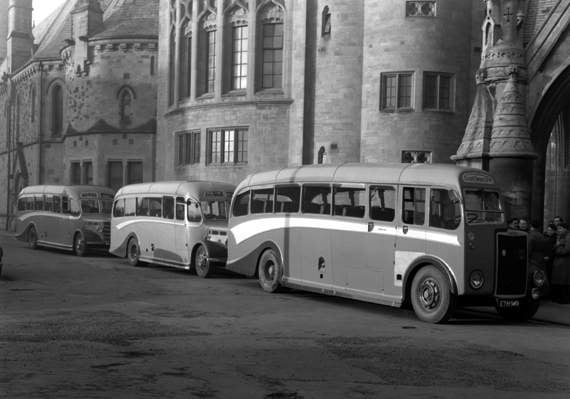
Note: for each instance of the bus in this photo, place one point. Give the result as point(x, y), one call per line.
point(429, 236)
point(73, 218)
point(173, 223)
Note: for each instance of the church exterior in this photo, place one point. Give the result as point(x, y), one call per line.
point(77, 95)
point(119, 91)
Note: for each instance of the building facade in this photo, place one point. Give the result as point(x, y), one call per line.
point(250, 85)
point(77, 96)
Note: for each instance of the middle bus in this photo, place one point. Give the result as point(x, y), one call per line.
point(177, 223)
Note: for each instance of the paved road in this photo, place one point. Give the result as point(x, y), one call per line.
point(97, 328)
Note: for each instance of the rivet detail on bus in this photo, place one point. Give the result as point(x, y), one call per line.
point(246, 230)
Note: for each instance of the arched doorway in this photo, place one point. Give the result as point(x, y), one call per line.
point(550, 129)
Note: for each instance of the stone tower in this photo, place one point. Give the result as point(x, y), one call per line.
point(20, 41)
point(497, 137)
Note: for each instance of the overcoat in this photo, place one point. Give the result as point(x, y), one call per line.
point(561, 266)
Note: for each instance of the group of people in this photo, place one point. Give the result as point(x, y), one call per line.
point(550, 251)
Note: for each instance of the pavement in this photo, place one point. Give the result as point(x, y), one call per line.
point(553, 312)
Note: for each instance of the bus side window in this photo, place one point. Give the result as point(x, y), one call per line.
point(349, 201)
point(119, 208)
point(155, 207)
point(65, 204)
point(194, 212)
point(316, 199)
point(48, 203)
point(445, 211)
point(22, 204)
point(413, 206)
point(241, 204)
point(180, 208)
point(57, 204)
point(382, 203)
point(168, 207)
point(287, 199)
point(142, 206)
point(74, 207)
point(262, 201)
point(130, 206)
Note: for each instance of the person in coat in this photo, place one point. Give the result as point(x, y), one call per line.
point(561, 266)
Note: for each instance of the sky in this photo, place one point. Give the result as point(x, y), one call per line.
point(43, 8)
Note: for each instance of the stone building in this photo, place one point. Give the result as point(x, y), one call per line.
point(77, 95)
point(249, 85)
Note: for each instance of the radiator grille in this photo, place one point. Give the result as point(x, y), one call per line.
point(107, 232)
point(511, 264)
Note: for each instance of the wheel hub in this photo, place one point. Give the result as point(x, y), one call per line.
point(429, 294)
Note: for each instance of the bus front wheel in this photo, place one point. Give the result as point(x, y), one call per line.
point(32, 238)
point(79, 245)
point(201, 262)
point(133, 252)
point(270, 271)
point(431, 296)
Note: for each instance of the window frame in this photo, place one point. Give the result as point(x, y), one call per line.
point(438, 91)
point(188, 144)
point(384, 87)
point(239, 144)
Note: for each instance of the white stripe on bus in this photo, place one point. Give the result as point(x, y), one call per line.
point(153, 220)
point(246, 230)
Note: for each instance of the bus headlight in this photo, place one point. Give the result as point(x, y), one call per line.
point(476, 279)
point(538, 278)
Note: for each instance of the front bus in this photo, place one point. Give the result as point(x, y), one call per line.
point(496, 260)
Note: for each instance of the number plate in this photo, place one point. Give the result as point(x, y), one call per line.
point(509, 303)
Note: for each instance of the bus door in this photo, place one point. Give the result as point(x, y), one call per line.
point(181, 231)
point(167, 250)
point(350, 241)
point(410, 231)
point(310, 241)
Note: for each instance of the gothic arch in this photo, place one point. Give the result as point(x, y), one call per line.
point(56, 107)
point(126, 96)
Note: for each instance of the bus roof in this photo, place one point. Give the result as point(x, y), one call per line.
point(178, 188)
point(61, 189)
point(363, 173)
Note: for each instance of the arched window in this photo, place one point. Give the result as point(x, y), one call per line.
point(237, 39)
point(208, 53)
point(184, 59)
point(322, 156)
point(270, 58)
point(326, 22)
point(125, 97)
point(56, 123)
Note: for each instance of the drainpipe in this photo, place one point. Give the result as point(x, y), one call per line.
point(9, 148)
point(40, 122)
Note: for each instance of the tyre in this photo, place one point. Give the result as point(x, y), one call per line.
point(133, 252)
point(270, 271)
point(201, 262)
point(431, 295)
point(525, 311)
point(79, 245)
point(32, 238)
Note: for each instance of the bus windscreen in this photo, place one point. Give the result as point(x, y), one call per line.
point(482, 206)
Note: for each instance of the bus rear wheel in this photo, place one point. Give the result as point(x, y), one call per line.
point(133, 252)
point(79, 245)
point(269, 271)
point(431, 295)
point(201, 262)
point(32, 238)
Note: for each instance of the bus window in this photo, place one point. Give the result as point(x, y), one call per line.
point(241, 204)
point(39, 203)
point(316, 199)
point(262, 201)
point(130, 206)
point(445, 211)
point(287, 199)
point(65, 205)
point(194, 213)
point(413, 206)
point(106, 203)
point(22, 204)
point(168, 207)
point(119, 208)
point(48, 203)
point(155, 207)
point(142, 206)
point(214, 209)
point(180, 208)
point(349, 201)
point(89, 205)
point(57, 204)
point(382, 203)
point(483, 206)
